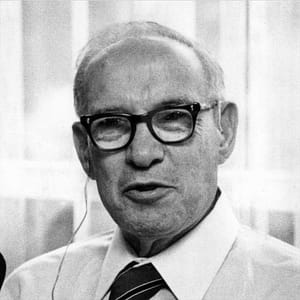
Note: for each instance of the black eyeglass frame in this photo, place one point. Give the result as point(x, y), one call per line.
point(193, 109)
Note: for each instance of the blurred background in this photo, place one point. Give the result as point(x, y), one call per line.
point(41, 183)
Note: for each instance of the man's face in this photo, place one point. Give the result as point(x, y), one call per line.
point(154, 190)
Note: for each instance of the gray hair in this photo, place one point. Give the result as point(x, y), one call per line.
point(120, 31)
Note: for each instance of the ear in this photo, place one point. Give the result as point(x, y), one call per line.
point(81, 143)
point(229, 123)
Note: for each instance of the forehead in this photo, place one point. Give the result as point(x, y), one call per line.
point(139, 74)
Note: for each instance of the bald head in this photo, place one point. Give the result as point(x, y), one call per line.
point(125, 40)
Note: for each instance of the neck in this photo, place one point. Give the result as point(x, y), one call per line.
point(147, 247)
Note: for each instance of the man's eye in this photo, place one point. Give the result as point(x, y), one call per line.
point(111, 122)
point(173, 116)
point(110, 125)
point(110, 129)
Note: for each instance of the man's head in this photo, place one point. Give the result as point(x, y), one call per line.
point(154, 190)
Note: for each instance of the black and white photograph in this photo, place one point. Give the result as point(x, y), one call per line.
point(150, 149)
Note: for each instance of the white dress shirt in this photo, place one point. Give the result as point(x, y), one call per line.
point(219, 259)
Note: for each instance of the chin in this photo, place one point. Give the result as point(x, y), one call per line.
point(153, 230)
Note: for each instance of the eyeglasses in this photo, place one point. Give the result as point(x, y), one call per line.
point(169, 125)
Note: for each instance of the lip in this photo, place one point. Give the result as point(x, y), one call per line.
point(146, 192)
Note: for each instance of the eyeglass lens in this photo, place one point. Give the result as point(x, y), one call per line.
point(171, 125)
point(111, 132)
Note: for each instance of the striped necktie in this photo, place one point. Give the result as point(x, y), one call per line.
point(137, 283)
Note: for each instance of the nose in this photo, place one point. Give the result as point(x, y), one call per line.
point(144, 150)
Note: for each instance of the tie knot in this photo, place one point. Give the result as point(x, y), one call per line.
point(137, 283)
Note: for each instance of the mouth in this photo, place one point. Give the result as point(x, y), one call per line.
point(146, 193)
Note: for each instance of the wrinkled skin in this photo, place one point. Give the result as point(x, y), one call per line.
point(136, 76)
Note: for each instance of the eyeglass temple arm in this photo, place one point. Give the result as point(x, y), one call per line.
point(209, 106)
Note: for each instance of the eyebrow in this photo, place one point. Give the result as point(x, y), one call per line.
point(175, 101)
point(112, 109)
point(167, 102)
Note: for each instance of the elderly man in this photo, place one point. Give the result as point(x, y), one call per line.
point(153, 129)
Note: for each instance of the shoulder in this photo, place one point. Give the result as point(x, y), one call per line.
point(264, 248)
point(258, 266)
point(272, 267)
point(81, 252)
point(40, 273)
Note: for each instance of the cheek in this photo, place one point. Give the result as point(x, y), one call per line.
point(207, 140)
point(198, 160)
point(198, 172)
point(107, 170)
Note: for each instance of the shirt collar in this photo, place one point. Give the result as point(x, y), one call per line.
point(190, 264)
